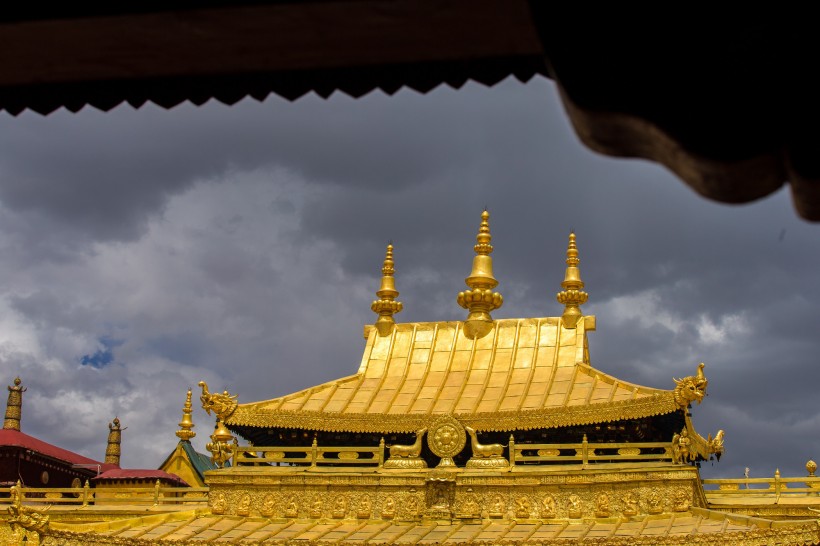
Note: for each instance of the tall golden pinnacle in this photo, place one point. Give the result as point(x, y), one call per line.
point(14, 406)
point(481, 299)
point(112, 450)
point(386, 306)
point(572, 295)
point(185, 426)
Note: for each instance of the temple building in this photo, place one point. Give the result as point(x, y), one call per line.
point(465, 432)
point(35, 462)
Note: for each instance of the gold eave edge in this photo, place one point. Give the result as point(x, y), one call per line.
point(659, 404)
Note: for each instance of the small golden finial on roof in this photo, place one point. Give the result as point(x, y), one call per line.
point(572, 296)
point(185, 426)
point(14, 406)
point(112, 450)
point(481, 299)
point(386, 306)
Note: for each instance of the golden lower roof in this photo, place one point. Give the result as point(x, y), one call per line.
point(524, 374)
point(697, 526)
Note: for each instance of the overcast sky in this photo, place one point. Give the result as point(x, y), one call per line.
point(145, 250)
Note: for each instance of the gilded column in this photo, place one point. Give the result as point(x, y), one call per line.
point(112, 451)
point(14, 406)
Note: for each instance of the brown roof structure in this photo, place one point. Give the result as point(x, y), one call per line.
point(729, 106)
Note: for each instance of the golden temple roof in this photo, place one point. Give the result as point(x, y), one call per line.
point(523, 374)
point(698, 526)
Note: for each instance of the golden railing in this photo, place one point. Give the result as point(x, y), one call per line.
point(582, 453)
point(775, 487)
point(157, 495)
point(585, 453)
point(312, 456)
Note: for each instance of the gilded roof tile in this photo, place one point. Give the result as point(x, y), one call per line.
point(525, 373)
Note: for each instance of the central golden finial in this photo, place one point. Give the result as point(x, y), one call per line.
point(572, 295)
point(386, 306)
point(185, 426)
point(481, 299)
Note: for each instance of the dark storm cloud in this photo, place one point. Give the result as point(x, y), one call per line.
point(243, 245)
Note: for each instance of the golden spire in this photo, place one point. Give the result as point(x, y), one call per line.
point(112, 450)
point(572, 296)
point(480, 299)
point(14, 406)
point(386, 306)
point(185, 426)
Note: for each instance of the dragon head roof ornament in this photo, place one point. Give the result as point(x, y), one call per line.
point(223, 405)
point(691, 389)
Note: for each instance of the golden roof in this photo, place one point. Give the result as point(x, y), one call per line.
point(695, 526)
point(523, 374)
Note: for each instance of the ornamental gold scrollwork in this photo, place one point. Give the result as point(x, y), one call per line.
point(446, 439)
point(221, 404)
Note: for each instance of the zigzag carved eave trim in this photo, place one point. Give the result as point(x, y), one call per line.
point(607, 412)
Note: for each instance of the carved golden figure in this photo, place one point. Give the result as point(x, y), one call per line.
point(497, 508)
point(219, 504)
point(365, 508)
point(691, 389)
point(654, 502)
point(268, 506)
point(316, 508)
point(388, 508)
point(574, 506)
point(244, 507)
point(680, 448)
point(292, 509)
point(680, 501)
point(27, 519)
point(548, 507)
point(340, 507)
point(485, 455)
point(407, 456)
point(222, 405)
point(602, 507)
point(630, 504)
point(523, 507)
